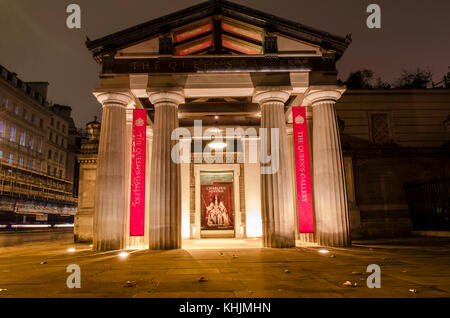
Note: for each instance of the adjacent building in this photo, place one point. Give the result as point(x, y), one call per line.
point(37, 151)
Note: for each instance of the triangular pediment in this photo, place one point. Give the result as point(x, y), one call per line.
point(219, 28)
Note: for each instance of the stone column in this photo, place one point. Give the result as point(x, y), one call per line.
point(165, 192)
point(330, 195)
point(276, 188)
point(110, 195)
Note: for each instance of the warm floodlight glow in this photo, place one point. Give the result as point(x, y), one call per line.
point(216, 117)
point(71, 250)
point(123, 254)
point(324, 251)
point(217, 145)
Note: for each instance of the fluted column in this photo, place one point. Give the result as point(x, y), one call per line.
point(330, 194)
point(165, 192)
point(276, 188)
point(110, 196)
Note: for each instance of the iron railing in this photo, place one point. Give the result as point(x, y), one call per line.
point(429, 205)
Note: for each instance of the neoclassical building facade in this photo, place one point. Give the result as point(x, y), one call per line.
point(225, 66)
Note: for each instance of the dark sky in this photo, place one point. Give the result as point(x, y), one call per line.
point(36, 44)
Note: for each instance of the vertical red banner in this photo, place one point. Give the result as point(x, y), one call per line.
point(303, 173)
point(138, 156)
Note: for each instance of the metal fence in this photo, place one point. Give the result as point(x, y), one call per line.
point(429, 205)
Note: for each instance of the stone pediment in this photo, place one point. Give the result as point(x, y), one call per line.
point(218, 28)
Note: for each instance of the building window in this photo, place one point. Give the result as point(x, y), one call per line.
point(29, 164)
point(55, 156)
point(1, 154)
point(52, 121)
point(54, 172)
point(33, 118)
point(22, 138)
point(12, 136)
point(20, 162)
point(49, 154)
point(41, 123)
point(39, 146)
point(38, 166)
point(11, 158)
point(57, 125)
point(64, 128)
point(15, 109)
point(379, 128)
point(57, 139)
point(48, 169)
point(2, 128)
point(30, 142)
point(60, 173)
point(5, 102)
point(24, 113)
point(61, 159)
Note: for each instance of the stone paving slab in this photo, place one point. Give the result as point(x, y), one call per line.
point(39, 270)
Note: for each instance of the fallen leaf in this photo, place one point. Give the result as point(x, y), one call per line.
point(332, 256)
point(130, 284)
point(350, 284)
point(44, 262)
point(203, 279)
point(347, 283)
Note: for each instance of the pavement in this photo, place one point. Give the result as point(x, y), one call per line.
point(410, 268)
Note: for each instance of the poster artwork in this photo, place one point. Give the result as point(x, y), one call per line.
point(217, 206)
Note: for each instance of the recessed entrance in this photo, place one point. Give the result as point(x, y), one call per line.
point(217, 208)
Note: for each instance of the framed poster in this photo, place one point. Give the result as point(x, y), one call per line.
point(217, 201)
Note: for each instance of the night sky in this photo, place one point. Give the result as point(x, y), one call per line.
point(36, 44)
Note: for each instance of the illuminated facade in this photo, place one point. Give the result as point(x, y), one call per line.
point(37, 142)
point(225, 66)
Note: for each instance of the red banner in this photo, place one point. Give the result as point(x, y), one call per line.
point(303, 174)
point(138, 156)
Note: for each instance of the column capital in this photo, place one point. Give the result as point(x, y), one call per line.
point(323, 93)
point(120, 98)
point(272, 94)
point(175, 96)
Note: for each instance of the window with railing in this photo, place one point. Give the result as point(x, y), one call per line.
point(5, 102)
point(12, 135)
point(22, 138)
